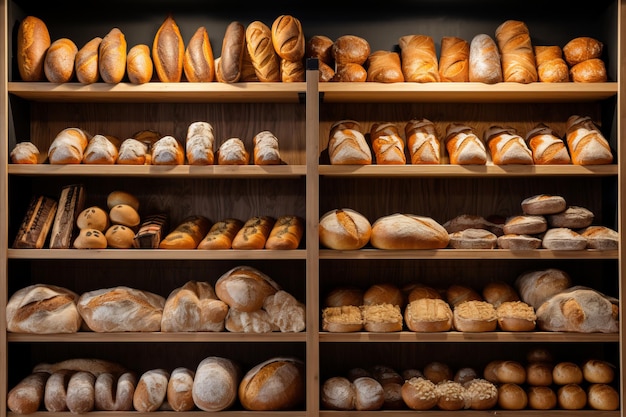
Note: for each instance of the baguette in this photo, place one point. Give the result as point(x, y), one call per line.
point(112, 57)
point(254, 233)
point(221, 234)
point(86, 62)
point(33, 41)
point(198, 60)
point(188, 233)
point(168, 50)
point(263, 56)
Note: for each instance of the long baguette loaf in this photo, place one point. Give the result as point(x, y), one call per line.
point(230, 63)
point(286, 233)
point(198, 61)
point(254, 233)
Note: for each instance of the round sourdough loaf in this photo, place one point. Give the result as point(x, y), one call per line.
point(338, 393)
point(344, 229)
point(273, 385)
point(344, 296)
point(370, 394)
point(384, 293)
point(541, 204)
point(408, 231)
point(498, 292)
point(512, 397)
point(244, 288)
point(571, 397)
point(215, 383)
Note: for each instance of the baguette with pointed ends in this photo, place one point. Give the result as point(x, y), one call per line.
point(112, 56)
point(33, 41)
point(86, 63)
point(139, 65)
point(221, 234)
point(344, 229)
point(198, 61)
point(168, 51)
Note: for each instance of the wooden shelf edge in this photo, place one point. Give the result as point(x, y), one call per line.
point(474, 413)
point(467, 254)
point(163, 413)
point(132, 337)
point(156, 254)
point(453, 336)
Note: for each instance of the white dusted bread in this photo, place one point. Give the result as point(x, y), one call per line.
point(275, 384)
point(408, 231)
point(344, 229)
point(215, 383)
point(194, 307)
point(535, 287)
point(244, 288)
point(68, 146)
point(43, 308)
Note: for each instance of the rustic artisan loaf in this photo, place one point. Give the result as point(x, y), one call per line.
point(498, 292)
point(516, 51)
point(288, 38)
point(551, 67)
point(59, 61)
point(419, 58)
point(320, 47)
point(342, 319)
point(26, 153)
point(264, 58)
point(506, 146)
point(542, 204)
point(423, 142)
point(547, 146)
point(33, 41)
point(563, 238)
point(370, 394)
point(200, 143)
point(535, 287)
point(133, 152)
point(187, 234)
point(257, 321)
point(408, 231)
point(198, 60)
point(86, 62)
point(473, 239)
point(518, 241)
point(139, 65)
point(285, 312)
point(586, 143)
point(525, 224)
point(419, 393)
point(254, 233)
point(179, 389)
point(100, 150)
point(151, 390)
point(338, 393)
point(350, 49)
point(230, 63)
point(573, 217)
point(475, 316)
point(349, 73)
point(428, 315)
point(344, 296)
point(168, 51)
point(581, 49)
point(383, 293)
point(454, 59)
point(481, 394)
point(266, 149)
point(167, 151)
point(275, 384)
point(215, 383)
point(194, 307)
point(347, 144)
point(457, 294)
point(464, 146)
point(600, 237)
point(344, 229)
point(112, 55)
point(245, 288)
point(387, 144)
point(384, 67)
point(589, 71)
point(233, 152)
point(113, 392)
point(485, 62)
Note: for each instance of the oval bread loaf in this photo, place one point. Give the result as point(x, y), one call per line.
point(60, 60)
point(139, 66)
point(179, 389)
point(168, 51)
point(288, 38)
point(245, 288)
point(115, 392)
point(33, 41)
point(86, 62)
point(198, 61)
point(273, 385)
point(344, 229)
point(215, 383)
point(230, 63)
point(408, 231)
point(151, 390)
point(112, 56)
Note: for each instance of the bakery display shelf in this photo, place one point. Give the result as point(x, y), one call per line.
point(158, 92)
point(467, 254)
point(466, 92)
point(186, 171)
point(449, 170)
point(474, 413)
point(160, 413)
point(157, 254)
point(132, 337)
point(453, 336)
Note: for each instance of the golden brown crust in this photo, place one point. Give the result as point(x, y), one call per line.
point(198, 61)
point(288, 38)
point(254, 233)
point(139, 65)
point(59, 61)
point(86, 62)
point(168, 50)
point(112, 56)
point(221, 234)
point(454, 59)
point(188, 234)
point(263, 56)
point(33, 40)
point(286, 233)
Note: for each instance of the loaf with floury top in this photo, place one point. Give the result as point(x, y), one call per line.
point(387, 144)
point(423, 141)
point(464, 146)
point(547, 147)
point(347, 144)
point(506, 146)
point(586, 143)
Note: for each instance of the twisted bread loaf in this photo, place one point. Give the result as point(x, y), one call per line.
point(454, 59)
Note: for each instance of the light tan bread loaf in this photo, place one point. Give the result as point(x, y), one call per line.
point(342, 319)
point(419, 393)
point(516, 51)
point(387, 144)
point(68, 146)
point(344, 229)
point(547, 147)
point(168, 51)
point(81, 395)
point(221, 234)
point(59, 61)
point(93, 217)
point(566, 372)
point(121, 309)
point(245, 288)
point(254, 233)
point(454, 59)
point(119, 237)
point(541, 398)
point(382, 318)
point(572, 217)
point(100, 150)
point(384, 67)
point(537, 286)
point(247, 69)
point(472, 239)
point(498, 292)
point(285, 312)
point(288, 38)
point(27, 396)
point(151, 390)
point(512, 396)
point(264, 58)
point(230, 63)
point(518, 241)
point(273, 385)
point(133, 152)
point(589, 71)
point(26, 153)
point(266, 150)
point(428, 315)
point(463, 146)
point(292, 71)
point(563, 238)
point(179, 394)
point(33, 41)
point(602, 397)
point(343, 296)
point(475, 316)
point(200, 143)
point(55, 394)
point(215, 383)
point(347, 144)
point(456, 294)
point(485, 61)
point(598, 371)
point(384, 293)
point(43, 308)
point(115, 392)
point(525, 224)
point(551, 67)
point(419, 58)
point(586, 143)
point(286, 233)
point(423, 142)
point(112, 56)
point(233, 152)
point(257, 321)
point(198, 60)
point(600, 237)
point(506, 146)
point(187, 234)
point(516, 316)
point(194, 307)
point(408, 231)
point(86, 62)
point(139, 65)
point(167, 151)
point(90, 239)
point(338, 393)
point(581, 49)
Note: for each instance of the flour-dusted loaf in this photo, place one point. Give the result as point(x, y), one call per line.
point(233, 152)
point(59, 61)
point(551, 67)
point(245, 288)
point(519, 241)
point(586, 143)
point(27, 396)
point(547, 146)
point(68, 146)
point(285, 312)
point(338, 393)
point(179, 395)
point(133, 152)
point(563, 238)
point(473, 239)
point(387, 144)
point(139, 65)
point(200, 143)
point(81, 392)
point(525, 224)
point(266, 150)
point(464, 146)
point(151, 390)
point(55, 394)
point(422, 141)
point(454, 59)
point(408, 231)
point(26, 152)
point(516, 51)
point(589, 71)
point(257, 321)
point(115, 392)
point(600, 237)
point(121, 309)
point(347, 144)
point(342, 319)
point(112, 55)
point(344, 229)
point(100, 150)
point(86, 62)
point(506, 146)
point(572, 217)
point(198, 60)
point(265, 60)
point(485, 61)
point(168, 51)
point(167, 151)
point(384, 67)
point(43, 308)
point(215, 383)
point(419, 58)
point(194, 307)
point(428, 315)
point(275, 384)
point(543, 204)
point(33, 41)
point(187, 234)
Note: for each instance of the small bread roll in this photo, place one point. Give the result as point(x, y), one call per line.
point(254, 233)
point(602, 397)
point(597, 371)
point(551, 67)
point(122, 197)
point(565, 373)
point(457, 294)
point(60, 61)
point(26, 153)
point(221, 234)
point(539, 374)
point(480, 394)
point(93, 217)
point(347, 144)
point(167, 151)
point(511, 372)
point(498, 292)
point(320, 47)
point(139, 65)
point(384, 293)
point(338, 393)
point(437, 372)
point(490, 373)
point(465, 374)
point(350, 49)
point(86, 62)
point(582, 49)
point(233, 152)
point(419, 393)
point(571, 397)
point(512, 397)
point(124, 214)
point(541, 398)
point(369, 394)
point(589, 71)
point(119, 237)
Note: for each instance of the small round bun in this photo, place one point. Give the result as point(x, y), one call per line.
point(119, 236)
point(438, 371)
point(539, 354)
point(463, 375)
point(122, 197)
point(541, 398)
point(490, 372)
point(512, 397)
point(498, 292)
point(565, 373)
point(539, 374)
point(511, 372)
point(344, 296)
point(571, 397)
point(93, 218)
point(598, 371)
point(419, 393)
point(125, 215)
point(602, 397)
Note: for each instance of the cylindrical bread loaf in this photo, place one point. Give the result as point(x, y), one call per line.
point(265, 149)
point(408, 231)
point(347, 144)
point(292, 71)
point(112, 56)
point(254, 233)
point(288, 38)
point(60, 60)
point(422, 141)
point(551, 67)
point(115, 392)
point(516, 51)
point(68, 146)
point(188, 234)
point(264, 58)
point(221, 234)
point(168, 51)
point(198, 61)
point(338, 393)
point(464, 146)
point(215, 383)
point(229, 66)
point(454, 59)
point(344, 229)
point(81, 395)
point(151, 390)
point(28, 394)
point(55, 395)
point(26, 153)
point(179, 389)
point(86, 62)
point(384, 67)
point(167, 151)
point(540, 204)
point(387, 144)
point(286, 233)
point(344, 296)
point(589, 71)
point(273, 385)
point(100, 150)
point(33, 41)
point(200, 144)
point(419, 58)
point(233, 152)
point(245, 288)
point(485, 62)
point(586, 143)
point(139, 65)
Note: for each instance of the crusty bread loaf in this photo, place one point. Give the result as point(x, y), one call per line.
point(266, 149)
point(230, 63)
point(428, 315)
point(288, 38)
point(540, 204)
point(215, 383)
point(257, 321)
point(194, 307)
point(475, 316)
point(26, 153)
point(456, 294)
point(59, 61)
point(350, 49)
point(139, 65)
point(292, 71)
point(384, 293)
point(381, 318)
point(168, 51)
point(100, 150)
point(586, 143)
point(200, 144)
point(516, 51)
point(273, 385)
point(535, 287)
point(551, 67)
point(244, 288)
point(264, 58)
point(464, 146)
point(55, 394)
point(338, 393)
point(133, 152)
point(27, 395)
point(472, 239)
point(589, 71)
point(581, 49)
point(121, 309)
point(525, 224)
point(68, 146)
point(36, 223)
point(115, 392)
point(254, 233)
point(454, 59)
point(344, 296)
point(423, 142)
point(221, 234)
point(600, 237)
point(86, 62)
point(179, 389)
point(387, 144)
point(347, 144)
point(419, 58)
point(33, 41)
point(516, 316)
point(419, 393)
point(326, 72)
point(506, 146)
point(43, 308)
point(320, 47)
point(370, 395)
point(342, 319)
point(563, 238)
point(151, 390)
point(344, 229)
point(285, 312)
point(384, 67)
point(198, 60)
point(112, 56)
point(233, 152)
point(286, 233)
point(167, 151)
point(81, 395)
point(485, 62)
point(547, 147)
point(119, 237)
point(187, 234)
point(349, 72)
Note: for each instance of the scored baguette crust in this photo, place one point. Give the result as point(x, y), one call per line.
point(139, 66)
point(254, 233)
point(454, 59)
point(33, 41)
point(423, 142)
point(86, 62)
point(347, 144)
point(547, 146)
point(288, 38)
point(265, 149)
point(506, 146)
point(586, 143)
point(112, 56)
point(198, 61)
point(168, 51)
point(68, 146)
point(188, 234)
point(464, 146)
point(221, 234)
point(264, 58)
point(292, 71)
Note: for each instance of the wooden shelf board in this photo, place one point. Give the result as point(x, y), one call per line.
point(467, 254)
point(182, 337)
point(156, 254)
point(453, 336)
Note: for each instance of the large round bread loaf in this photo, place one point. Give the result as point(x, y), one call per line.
point(215, 383)
point(245, 288)
point(344, 229)
point(408, 231)
point(273, 385)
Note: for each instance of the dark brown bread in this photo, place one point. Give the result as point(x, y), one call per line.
point(199, 63)
point(168, 50)
point(230, 63)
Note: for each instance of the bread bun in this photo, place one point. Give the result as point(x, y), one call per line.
point(490, 373)
point(419, 393)
point(539, 374)
point(437, 372)
point(541, 397)
point(457, 294)
point(423, 291)
point(344, 229)
point(565, 373)
point(119, 236)
point(582, 49)
point(571, 397)
point(512, 397)
point(385, 293)
point(597, 371)
point(511, 372)
point(179, 389)
point(602, 397)
point(481, 394)
point(370, 395)
point(539, 354)
point(273, 385)
point(451, 395)
point(350, 49)
point(338, 393)
point(498, 292)
point(463, 375)
point(320, 47)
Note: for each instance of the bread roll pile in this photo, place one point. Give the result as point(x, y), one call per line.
point(82, 385)
point(260, 52)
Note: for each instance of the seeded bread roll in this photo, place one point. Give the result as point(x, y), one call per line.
point(198, 61)
point(168, 51)
point(33, 41)
point(93, 217)
point(344, 229)
point(188, 234)
point(382, 318)
point(342, 319)
point(230, 64)
point(139, 65)
point(91, 239)
point(112, 56)
point(254, 233)
point(119, 237)
point(428, 315)
point(221, 234)
point(481, 394)
point(286, 233)
point(475, 316)
point(419, 393)
point(86, 62)
point(245, 288)
point(451, 395)
point(59, 61)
